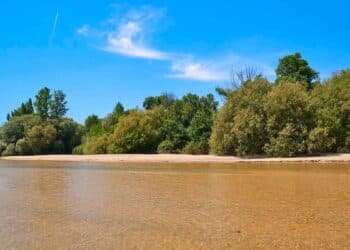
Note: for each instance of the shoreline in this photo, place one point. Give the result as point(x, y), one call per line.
point(177, 158)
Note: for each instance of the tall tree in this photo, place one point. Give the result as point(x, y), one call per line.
point(42, 102)
point(26, 108)
point(294, 67)
point(165, 100)
point(58, 106)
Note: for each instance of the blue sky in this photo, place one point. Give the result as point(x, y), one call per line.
point(100, 52)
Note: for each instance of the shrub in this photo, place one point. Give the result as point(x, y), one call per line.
point(195, 148)
point(23, 147)
point(10, 150)
point(166, 146)
point(320, 141)
point(3, 146)
point(78, 150)
point(290, 141)
point(96, 145)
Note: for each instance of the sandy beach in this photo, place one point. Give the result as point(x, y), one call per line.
point(174, 158)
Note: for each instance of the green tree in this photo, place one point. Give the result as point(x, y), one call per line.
point(165, 100)
point(112, 119)
point(58, 105)
point(16, 127)
point(69, 135)
point(240, 126)
point(23, 147)
point(294, 68)
point(137, 132)
point(41, 138)
point(10, 150)
point(289, 119)
point(25, 109)
point(42, 102)
point(93, 125)
point(330, 104)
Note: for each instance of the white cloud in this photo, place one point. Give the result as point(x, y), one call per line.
point(127, 40)
point(126, 36)
point(196, 71)
point(84, 30)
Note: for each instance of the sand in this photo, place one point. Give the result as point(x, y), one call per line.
point(174, 158)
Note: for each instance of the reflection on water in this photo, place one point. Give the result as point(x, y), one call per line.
point(55, 205)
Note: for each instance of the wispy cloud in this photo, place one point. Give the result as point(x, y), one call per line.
point(128, 35)
point(198, 71)
point(128, 41)
point(84, 30)
point(53, 28)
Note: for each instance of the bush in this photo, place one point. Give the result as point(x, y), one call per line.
point(194, 148)
point(23, 147)
point(10, 150)
point(137, 132)
point(78, 150)
point(41, 138)
point(320, 141)
point(166, 147)
point(290, 141)
point(96, 145)
point(3, 146)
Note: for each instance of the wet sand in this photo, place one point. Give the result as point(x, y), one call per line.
point(52, 205)
point(174, 158)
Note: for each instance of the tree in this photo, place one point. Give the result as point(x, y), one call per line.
point(41, 138)
point(288, 119)
point(112, 119)
point(330, 105)
point(137, 132)
point(165, 100)
point(93, 125)
point(58, 105)
point(240, 126)
point(295, 68)
point(42, 102)
point(69, 134)
point(238, 77)
point(25, 109)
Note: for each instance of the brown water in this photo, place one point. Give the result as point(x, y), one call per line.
point(91, 206)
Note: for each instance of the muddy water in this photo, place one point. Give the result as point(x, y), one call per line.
point(91, 206)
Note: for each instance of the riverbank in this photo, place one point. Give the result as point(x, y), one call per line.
point(174, 158)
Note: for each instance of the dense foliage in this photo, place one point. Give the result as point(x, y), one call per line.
point(44, 130)
point(167, 125)
point(296, 114)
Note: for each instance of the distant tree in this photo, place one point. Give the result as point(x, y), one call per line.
point(25, 109)
point(42, 102)
point(118, 109)
point(295, 68)
point(238, 77)
point(330, 105)
point(112, 119)
point(240, 126)
point(137, 132)
point(41, 138)
point(288, 119)
point(93, 125)
point(58, 105)
point(165, 100)
point(13, 130)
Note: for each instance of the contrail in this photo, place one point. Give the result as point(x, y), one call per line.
point(53, 28)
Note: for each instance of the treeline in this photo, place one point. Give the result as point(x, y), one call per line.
point(294, 115)
point(40, 128)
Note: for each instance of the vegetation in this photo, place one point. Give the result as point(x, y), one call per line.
point(296, 114)
point(44, 130)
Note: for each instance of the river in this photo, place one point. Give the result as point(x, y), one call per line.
point(174, 206)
